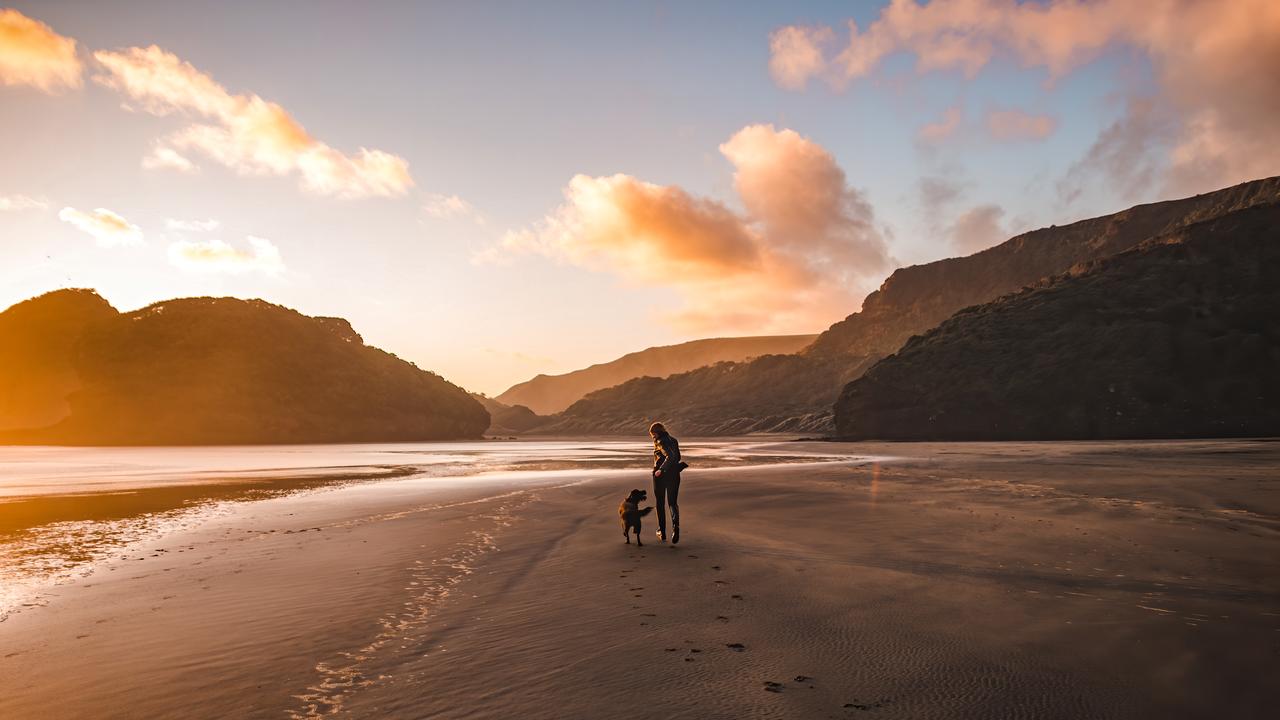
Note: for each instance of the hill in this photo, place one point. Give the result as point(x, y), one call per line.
point(508, 419)
point(1179, 337)
point(36, 341)
point(796, 394)
point(547, 394)
point(201, 371)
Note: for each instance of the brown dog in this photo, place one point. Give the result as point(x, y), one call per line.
point(630, 512)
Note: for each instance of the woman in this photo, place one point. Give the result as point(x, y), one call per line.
point(666, 480)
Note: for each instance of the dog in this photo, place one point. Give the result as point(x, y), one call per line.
point(630, 512)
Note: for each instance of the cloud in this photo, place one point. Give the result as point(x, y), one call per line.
point(978, 229)
point(795, 54)
point(217, 256)
point(796, 258)
point(450, 207)
point(31, 53)
point(1131, 153)
point(1019, 125)
point(166, 158)
point(1214, 62)
point(14, 203)
point(191, 225)
point(244, 132)
point(107, 228)
point(943, 128)
point(936, 193)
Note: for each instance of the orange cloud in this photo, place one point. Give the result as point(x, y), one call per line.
point(944, 128)
point(795, 259)
point(1215, 63)
point(795, 54)
point(1019, 125)
point(107, 228)
point(218, 256)
point(166, 158)
point(31, 53)
point(978, 229)
point(246, 133)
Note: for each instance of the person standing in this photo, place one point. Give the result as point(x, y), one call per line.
point(666, 480)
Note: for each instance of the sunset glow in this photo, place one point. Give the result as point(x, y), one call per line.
point(663, 180)
point(924, 353)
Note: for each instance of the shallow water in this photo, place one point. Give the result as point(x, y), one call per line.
point(64, 509)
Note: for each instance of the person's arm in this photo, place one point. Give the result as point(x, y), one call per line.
point(671, 454)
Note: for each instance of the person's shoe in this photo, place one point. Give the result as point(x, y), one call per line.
point(662, 536)
point(675, 537)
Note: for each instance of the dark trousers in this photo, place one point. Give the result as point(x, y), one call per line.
point(666, 491)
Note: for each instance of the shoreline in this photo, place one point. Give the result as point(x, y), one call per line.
point(956, 581)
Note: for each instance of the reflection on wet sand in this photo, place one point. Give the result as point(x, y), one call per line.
point(63, 509)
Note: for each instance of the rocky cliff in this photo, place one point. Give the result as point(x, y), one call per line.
point(796, 394)
point(1178, 337)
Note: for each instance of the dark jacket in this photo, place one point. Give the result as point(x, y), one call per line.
point(666, 455)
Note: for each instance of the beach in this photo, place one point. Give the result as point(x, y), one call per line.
point(813, 580)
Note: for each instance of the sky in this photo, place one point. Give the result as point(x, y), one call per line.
point(494, 190)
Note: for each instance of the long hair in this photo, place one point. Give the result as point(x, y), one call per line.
point(657, 429)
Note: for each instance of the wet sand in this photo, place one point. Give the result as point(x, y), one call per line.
point(1063, 580)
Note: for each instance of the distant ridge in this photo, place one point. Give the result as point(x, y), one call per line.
point(547, 394)
point(795, 393)
point(206, 371)
point(508, 419)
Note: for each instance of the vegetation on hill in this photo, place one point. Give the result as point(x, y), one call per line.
point(1179, 337)
point(228, 371)
point(547, 394)
point(796, 394)
point(36, 341)
point(508, 419)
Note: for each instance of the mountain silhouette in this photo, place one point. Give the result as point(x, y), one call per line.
point(200, 371)
point(795, 393)
point(1178, 337)
point(547, 394)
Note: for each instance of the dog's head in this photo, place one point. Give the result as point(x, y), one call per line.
point(637, 496)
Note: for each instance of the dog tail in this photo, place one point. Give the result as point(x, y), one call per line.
point(646, 511)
